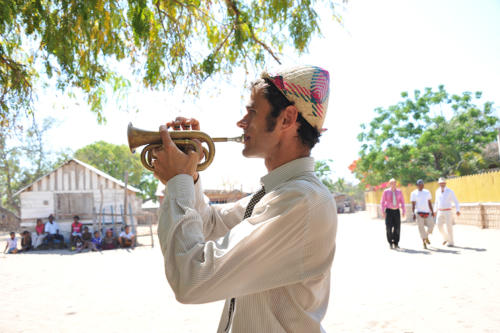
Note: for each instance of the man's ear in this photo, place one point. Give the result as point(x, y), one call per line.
point(289, 117)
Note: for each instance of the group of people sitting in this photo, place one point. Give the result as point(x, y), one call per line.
point(80, 237)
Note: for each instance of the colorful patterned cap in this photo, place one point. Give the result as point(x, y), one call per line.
point(308, 87)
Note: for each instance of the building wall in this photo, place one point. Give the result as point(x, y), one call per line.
point(73, 190)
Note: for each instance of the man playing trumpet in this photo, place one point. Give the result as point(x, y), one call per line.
point(268, 255)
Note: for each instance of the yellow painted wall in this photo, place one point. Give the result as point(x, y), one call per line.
point(484, 187)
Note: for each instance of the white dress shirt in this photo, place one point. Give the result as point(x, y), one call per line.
point(123, 234)
point(445, 198)
point(51, 228)
point(276, 263)
point(421, 199)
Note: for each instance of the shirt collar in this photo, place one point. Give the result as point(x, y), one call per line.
point(287, 171)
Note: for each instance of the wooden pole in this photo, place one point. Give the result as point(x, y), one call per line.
point(100, 208)
point(482, 215)
point(150, 218)
point(125, 199)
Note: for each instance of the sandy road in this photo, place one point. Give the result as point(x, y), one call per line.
point(374, 289)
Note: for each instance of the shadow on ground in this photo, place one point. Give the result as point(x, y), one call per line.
point(412, 251)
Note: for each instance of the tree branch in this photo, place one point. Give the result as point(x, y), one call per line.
point(232, 6)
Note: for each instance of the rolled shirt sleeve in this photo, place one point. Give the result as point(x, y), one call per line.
point(383, 205)
point(402, 201)
point(455, 200)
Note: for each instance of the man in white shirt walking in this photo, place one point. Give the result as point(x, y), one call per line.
point(444, 198)
point(421, 204)
point(269, 255)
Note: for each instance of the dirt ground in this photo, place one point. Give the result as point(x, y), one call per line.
point(374, 289)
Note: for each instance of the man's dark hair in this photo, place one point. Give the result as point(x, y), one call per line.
point(307, 133)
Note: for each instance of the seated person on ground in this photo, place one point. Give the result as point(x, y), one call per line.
point(11, 246)
point(26, 241)
point(76, 231)
point(127, 238)
point(96, 241)
point(37, 236)
point(52, 231)
point(87, 239)
point(78, 244)
point(109, 242)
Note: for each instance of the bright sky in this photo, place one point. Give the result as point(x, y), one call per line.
point(384, 48)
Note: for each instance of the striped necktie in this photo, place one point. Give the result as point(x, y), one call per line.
point(248, 212)
point(256, 198)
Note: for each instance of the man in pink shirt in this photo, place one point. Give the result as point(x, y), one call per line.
point(392, 200)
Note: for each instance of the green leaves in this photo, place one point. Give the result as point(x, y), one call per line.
point(167, 42)
point(115, 160)
point(413, 139)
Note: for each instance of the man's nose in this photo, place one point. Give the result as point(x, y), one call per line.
point(242, 123)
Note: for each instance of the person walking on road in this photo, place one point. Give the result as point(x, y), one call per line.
point(444, 198)
point(392, 200)
point(421, 205)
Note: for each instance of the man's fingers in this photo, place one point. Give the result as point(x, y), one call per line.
point(199, 147)
point(184, 123)
point(195, 124)
point(193, 157)
point(165, 136)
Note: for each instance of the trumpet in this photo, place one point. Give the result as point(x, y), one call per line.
point(182, 139)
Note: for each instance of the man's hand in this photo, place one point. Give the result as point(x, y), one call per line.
point(170, 161)
point(458, 213)
point(414, 217)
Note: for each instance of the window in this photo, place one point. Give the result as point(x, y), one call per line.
point(69, 204)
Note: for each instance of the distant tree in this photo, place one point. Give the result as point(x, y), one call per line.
point(323, 172)
point(10, 168)
point(430, 135)
point(164, 42)
point(23, 159)
point(355, 191)
point(340, 185)
point(115, 160)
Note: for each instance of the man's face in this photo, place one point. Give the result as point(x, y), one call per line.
point(420, 187)
point(127, 229)
point(442, 185)
point(392, 185)
point(51, 219)
point(259, 142)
